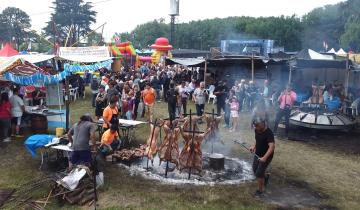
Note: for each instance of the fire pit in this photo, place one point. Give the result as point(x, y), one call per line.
point(217, 169)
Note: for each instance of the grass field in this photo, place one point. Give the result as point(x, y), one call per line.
point(327, 165)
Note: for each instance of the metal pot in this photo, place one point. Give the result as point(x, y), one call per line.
point(217, 161)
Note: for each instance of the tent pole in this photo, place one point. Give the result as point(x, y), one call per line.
point(290, 74)
point(67, 102)
point(205, 70)
point(347, 76)
point(252, 67)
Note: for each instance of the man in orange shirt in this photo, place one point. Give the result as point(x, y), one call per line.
point(109, 140)
point(149, 96)
point(110, 114)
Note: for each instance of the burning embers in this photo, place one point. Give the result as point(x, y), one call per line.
point(187, 165)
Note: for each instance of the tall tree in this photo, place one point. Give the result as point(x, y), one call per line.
point(351, 38)
point(14, 25)
point(70, 17)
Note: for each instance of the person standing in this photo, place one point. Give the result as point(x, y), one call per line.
point(156, 84)
point(221, 92)
point(149, 96)
point(17, 110)
point(286, 100)
point(172, 98)
point(80, 135)
point(100, 102)
point(183, 96)
point(5, 116)
point(111, 114)
point(264, 151)
point(94, 86)
point(234, 113)
point(166, 85)
point(199, 98)
point(137, 99)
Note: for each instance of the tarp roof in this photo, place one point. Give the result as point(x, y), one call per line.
point(17, 66)
point(310, 54)
point(8, 51)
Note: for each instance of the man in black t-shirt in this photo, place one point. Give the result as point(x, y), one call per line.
point(221, 92)
point(264, 150)
point(172, 96)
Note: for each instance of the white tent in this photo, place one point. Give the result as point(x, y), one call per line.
point(317, 56)
point(341, 52)
point(331, 51)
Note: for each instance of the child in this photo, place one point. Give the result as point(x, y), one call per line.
point(234, 113)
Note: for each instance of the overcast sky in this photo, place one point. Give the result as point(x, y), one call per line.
point(125, 15)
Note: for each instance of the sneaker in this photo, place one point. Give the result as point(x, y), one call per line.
point(267, 176)
point(12, 135)
point(19, 136)
point(258, 194)
point(7, 139)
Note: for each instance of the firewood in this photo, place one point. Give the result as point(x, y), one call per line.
point(86, 199)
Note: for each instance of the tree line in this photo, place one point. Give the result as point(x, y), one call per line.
point(336, 25)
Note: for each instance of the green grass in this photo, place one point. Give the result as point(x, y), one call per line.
point(327, 167)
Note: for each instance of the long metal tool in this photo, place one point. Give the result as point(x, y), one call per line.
point(243, 144)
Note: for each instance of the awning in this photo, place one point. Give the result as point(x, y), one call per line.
point(192, 62)
point(322, 64)
point(17, 66)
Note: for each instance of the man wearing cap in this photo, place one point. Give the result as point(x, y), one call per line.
point(286, 101)
point(264, 151)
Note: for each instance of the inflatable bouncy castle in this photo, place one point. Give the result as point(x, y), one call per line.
point(162, 49)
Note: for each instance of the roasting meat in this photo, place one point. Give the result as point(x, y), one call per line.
point(212, 124)
point(169, 149)
point(191, 154)
point(129, 154)
point(151, 144)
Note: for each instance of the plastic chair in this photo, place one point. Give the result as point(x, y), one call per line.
point(211, 93)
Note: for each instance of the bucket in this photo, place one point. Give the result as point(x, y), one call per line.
point(59, 132)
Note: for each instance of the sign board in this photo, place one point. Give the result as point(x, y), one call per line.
point(95, 51)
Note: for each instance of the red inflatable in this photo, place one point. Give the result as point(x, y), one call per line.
point(162, 44)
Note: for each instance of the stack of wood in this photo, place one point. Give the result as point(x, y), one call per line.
point(83, 195)
point(129, 154)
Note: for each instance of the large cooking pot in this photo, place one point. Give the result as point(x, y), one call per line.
point(217, 161)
